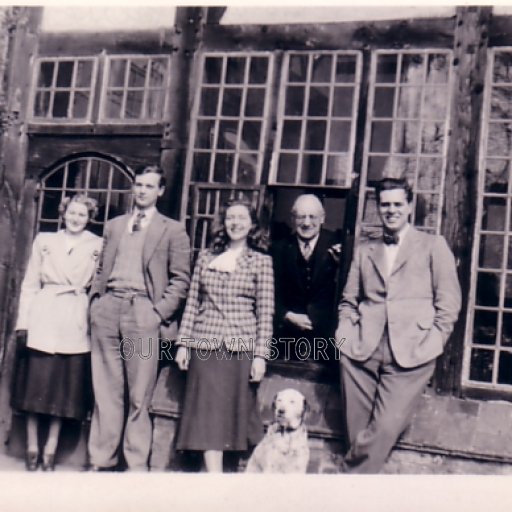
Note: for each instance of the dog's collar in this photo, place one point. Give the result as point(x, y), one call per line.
point(286, 430)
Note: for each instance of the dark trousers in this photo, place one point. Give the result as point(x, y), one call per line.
point(124, 359)
point(379, 397)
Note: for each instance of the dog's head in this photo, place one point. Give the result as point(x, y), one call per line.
point(290, 407)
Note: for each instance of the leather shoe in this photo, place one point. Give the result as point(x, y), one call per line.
point(95, 468)
point(48, 462)
point(31, 461)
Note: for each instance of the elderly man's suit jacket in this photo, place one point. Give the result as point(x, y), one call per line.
point(419, 301)
point(231, 308)
point(166, 266)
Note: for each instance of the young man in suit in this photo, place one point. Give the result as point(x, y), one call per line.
point(305, 269)
point(136, 297)
point(398, 308)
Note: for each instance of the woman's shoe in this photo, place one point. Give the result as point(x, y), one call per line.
point(48, 462)
point(31, 461)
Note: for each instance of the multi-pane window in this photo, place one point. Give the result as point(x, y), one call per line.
point(134, 88)
point(407, 131)
point(103, 179)
point(318, 102)
point(63, 89)
point(488, 355)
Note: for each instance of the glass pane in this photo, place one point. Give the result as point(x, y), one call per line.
point(291, 135)
point(339, 139)
point(506, 334)
point(208, 103)
point(494, 213)
point(505, 368)
point(318, 101)
point(502, 71)
point(298, 68)
point(343, 101)
point(413, 71)
point(133, 107)
point(228, 131)
point(499, 142)
point(409, 101)
point(157, 72)
point(322, 68)
point(251, 132)
point(429, 173)
point(223, 167)
point(501, 103)
point(386, 68)
point(315, 135)
point(114, 103)
point(42, 104)
point(137, 74)
point(485, 327)
point(496, 176)
point(487, 289)
point(432, 138)
point(311, 169)
point(482, 363)
point(212, 70)
point(155, 104)
point(60, 104)
point(509, 262)
point(77, 173)
point(80, 104)
point(383, 103)
point(345, 68)
point(117, 73)
point(235, 70)
point(438, 69)
point(231, 102)
point(45, 77)
point(247, 165)
point(287, 168)
point(370, 212)
point(405, 137)
point(508, 287)
point(435, 103)
point(425, 214)
point(400, 167)
point(376, 166)
point(337, 170)
point(204, 135)
point(201, 167)
point(258, 71)
point(254, 102)
point(65, 74)
point(491, 251)
point(380, 141)
point(100, 171)
point(84, 73)
point(294, 101)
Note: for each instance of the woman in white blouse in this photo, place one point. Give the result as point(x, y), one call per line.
point(52, 377)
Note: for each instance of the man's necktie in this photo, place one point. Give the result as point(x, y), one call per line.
point(306, 250)
point(390, 238)
point(137, 223)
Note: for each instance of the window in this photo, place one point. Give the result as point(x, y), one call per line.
point(488, 353)
point(107, 181)
point(63, 89)
point(407, 132)
point(134, 88)
point(317, 113)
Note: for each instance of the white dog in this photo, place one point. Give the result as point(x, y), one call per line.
point(284, 448)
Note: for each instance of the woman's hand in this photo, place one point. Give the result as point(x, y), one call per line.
point(21, 338)
point(182, 358)
point(258, 368)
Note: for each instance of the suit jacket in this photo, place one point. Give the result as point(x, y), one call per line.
point(419, 301)
point(166, 266)
point(291, 295)
point(53, 302)
point(235, 308)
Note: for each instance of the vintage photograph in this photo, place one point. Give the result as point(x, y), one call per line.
point(241, 239)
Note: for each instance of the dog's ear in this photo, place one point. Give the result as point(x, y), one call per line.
point(305, 409)
point(274, 402)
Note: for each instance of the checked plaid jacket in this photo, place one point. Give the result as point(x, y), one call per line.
point(235, 308)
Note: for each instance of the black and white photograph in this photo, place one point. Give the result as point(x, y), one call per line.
point(255, 256)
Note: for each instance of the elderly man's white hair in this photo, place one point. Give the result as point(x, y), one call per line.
point(310, 200)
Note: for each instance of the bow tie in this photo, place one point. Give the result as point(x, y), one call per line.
point(390, 238)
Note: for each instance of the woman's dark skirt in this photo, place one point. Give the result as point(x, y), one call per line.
point(55, 384)
point(220, 409)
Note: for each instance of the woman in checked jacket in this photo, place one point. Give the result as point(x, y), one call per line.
point(224, 337)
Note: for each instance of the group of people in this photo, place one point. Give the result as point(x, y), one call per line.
point(101, 308)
